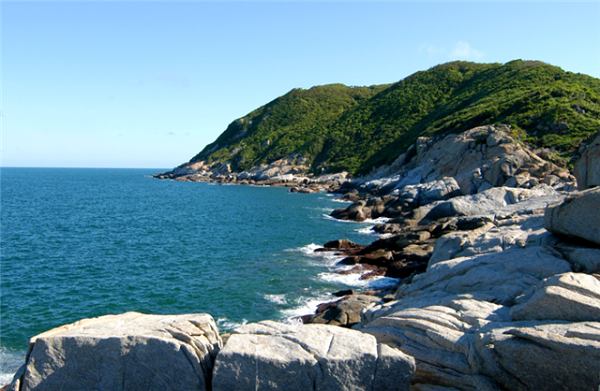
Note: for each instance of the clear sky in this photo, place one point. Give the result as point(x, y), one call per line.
point(149, 84)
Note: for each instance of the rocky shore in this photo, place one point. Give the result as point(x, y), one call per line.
point(287, 172)
point(498, 259)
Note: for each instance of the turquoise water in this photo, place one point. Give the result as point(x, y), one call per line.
point(78, 243)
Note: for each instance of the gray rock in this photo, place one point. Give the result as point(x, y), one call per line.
point(583, 259)
point(442, 189)
point(394, 369)
point(587, 168)
point(578, 216)
point(497, 277)
point(270, 355)
point(131, 351)
point(537, 355)
point(573, 297)
point(518, 232)
point(439, 336)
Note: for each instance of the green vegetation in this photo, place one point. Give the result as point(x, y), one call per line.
point(357, 128)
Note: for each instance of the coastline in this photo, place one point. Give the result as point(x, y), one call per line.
point(499, 284)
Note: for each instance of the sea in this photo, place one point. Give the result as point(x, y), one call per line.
point(79, 242)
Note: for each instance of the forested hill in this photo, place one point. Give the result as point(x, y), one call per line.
point(339, 128)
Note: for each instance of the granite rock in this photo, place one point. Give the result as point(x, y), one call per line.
point(577, 216)
point(131, 351)
point(269, 355)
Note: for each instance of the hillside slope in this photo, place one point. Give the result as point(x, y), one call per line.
point(335, 128)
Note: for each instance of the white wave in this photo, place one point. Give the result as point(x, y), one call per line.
point(227, 325)
point(324, 209)
point(10, 362)
point(379, 220)
point(370, 231)
point(277, 299)
point(342, 201)
point(355, 281)
point(327, 217)
point(307, 306)
point(309, 249)
point(366, 231)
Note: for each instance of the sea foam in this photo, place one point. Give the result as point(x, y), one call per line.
point(10, 362)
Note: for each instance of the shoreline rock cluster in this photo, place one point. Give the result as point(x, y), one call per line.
point(498, 259)
point(287, 172)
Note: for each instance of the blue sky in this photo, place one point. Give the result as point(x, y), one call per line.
point(149, 84)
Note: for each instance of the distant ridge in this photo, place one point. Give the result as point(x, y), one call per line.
point(333, 128)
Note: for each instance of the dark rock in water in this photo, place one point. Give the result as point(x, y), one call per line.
point(372, 271)
point(344, 312)
point(415, 252)
point(341, 244)
point(378, 257)
point(303, 190)
point(405, 239)
point(346, 292)
point(352, 260)
point(404, 269)
point(355, 212)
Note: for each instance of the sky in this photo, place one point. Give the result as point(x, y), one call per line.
point(148, 84)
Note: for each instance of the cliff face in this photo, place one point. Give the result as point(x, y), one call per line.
point(335, 128)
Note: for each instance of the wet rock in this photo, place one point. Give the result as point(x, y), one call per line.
point(341, 244)
point(343, 312)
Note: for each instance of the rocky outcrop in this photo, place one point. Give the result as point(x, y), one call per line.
point(269, 355)
point(578, 216)
point(504, 303)
point(441, 169)
point(587, 168)
point(290, 171)
point(479, 158)
point(496, 321)
point(131, 351)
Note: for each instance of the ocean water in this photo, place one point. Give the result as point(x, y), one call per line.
point(79, 243)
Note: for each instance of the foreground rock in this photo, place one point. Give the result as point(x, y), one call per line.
point(578, 216)
point(275, 356)
point(131, 351)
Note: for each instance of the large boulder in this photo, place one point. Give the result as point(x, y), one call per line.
point(131, 351)
point(275, 356)
point(578, 216)
point(540, 355)
point(493, 322)
point(517, 232)
point(573, 297)
point(587, 168)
